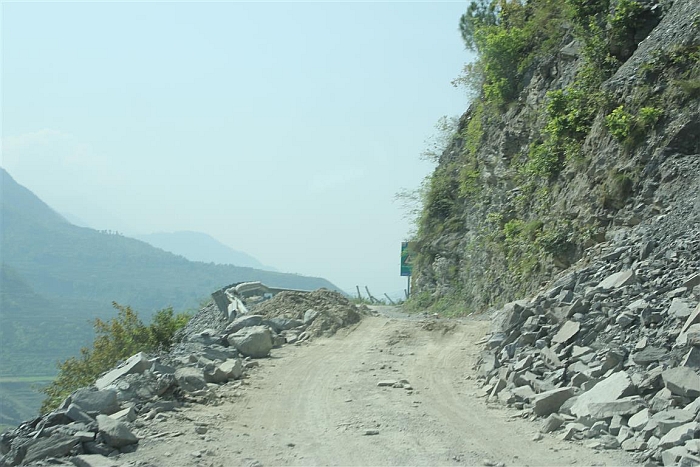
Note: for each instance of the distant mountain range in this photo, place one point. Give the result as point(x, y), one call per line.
point(198, 246)
point(58, 277)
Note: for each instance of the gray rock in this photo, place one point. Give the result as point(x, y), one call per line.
point(93, 460)
point(673, 455)
point(93, 400)
point(135, 364)
point(115, 433)
point(679, 308)
point(310, 316)
point(649, 355)
point(639, 420)
point(282, 324)
point(552, 423)
point(679, 435)
point(610, 389)
point(254, 341)
point(128, 414)
point(682, 381)
point(54, 446)
point(549, 402)
point(617, 280)
point(233, 368)
point(567, 332)
point(624, 406)
point(689, 460)
point(190, 379)
point(77, 415)
point(244, 321)
point(669, 419)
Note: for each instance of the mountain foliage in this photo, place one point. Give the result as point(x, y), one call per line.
point(577, 106)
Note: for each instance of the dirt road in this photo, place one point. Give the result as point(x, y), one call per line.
point(319, 404)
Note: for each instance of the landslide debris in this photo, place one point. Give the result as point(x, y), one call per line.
point(214, 354)
point(609, 353)
point(323, 311)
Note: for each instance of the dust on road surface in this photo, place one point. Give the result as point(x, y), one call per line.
point(319, 404)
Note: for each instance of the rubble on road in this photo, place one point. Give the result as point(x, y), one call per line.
point(609, 354)
point(95, 425)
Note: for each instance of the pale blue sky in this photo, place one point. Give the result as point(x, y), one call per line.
point(282, 129)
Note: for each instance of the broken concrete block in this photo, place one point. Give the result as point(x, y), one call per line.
point(682, 381)
point(549, 402)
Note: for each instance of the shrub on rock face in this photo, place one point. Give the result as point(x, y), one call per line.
point(116, 340)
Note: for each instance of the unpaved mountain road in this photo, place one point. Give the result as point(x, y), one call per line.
point(314, 404)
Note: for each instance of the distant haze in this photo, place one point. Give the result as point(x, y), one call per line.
point(197, 246)
point(283, 130)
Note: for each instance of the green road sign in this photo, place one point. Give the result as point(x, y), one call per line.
point(406, 258)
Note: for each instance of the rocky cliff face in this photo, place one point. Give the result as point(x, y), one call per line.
point(602, 137)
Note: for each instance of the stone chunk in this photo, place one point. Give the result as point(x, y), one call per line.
point(115, 433)
point(669, 419)
point(624, 406)
point(190, 379)
point(673, 455)
point(549, 402)
point(253, 341)
point(74, 413)
point(679, 308)
point(617, 280)
point(93, 460)
point(54, 446)
point(243, 322)
point(128, 414)
point(682, 381)
point(233, 368)
point(567, 332)
point(135, 364)
point(679, 435)
point(92, 400)
point(610, 389)
point(639, 420)
point(648, 355)
point(552, 423)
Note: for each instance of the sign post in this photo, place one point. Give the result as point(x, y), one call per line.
point(406, 263)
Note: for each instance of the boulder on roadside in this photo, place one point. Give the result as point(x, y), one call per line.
point(253, 341)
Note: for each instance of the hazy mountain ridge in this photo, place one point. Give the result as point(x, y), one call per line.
point(58, 277)
point(199, 246)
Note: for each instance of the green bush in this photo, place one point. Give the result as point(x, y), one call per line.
point(116, 340)
point(619, 123)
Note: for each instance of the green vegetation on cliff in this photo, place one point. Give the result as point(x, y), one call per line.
point(566, 117)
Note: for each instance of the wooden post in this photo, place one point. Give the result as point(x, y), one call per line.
point(390, 300)
point(359, 295)
point(371, 298)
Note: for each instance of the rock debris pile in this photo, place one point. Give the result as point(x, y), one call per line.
point(610, 354)
point(94, 426)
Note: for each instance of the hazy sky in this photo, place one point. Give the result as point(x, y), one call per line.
point(282, 129)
